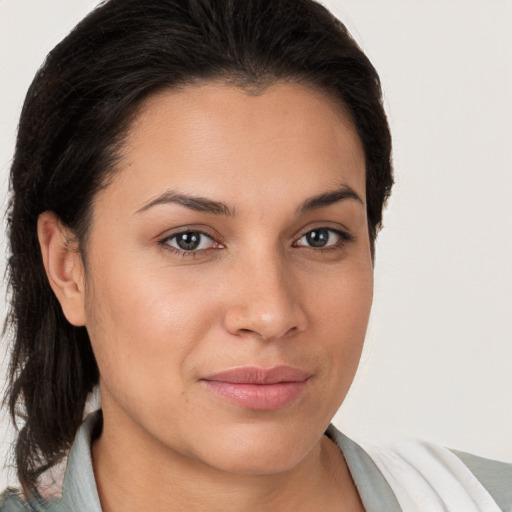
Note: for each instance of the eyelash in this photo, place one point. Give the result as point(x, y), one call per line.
point(343, 236)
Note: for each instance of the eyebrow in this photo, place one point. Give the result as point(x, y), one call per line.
point(204, 205)
point(329, 198)
point(199, 204)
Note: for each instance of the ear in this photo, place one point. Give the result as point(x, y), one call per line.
point(64, 267)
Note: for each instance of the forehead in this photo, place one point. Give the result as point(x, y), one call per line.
point(217, 139)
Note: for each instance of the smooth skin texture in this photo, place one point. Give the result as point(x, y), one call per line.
point(268, 264)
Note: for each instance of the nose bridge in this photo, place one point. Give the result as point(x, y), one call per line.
point(265, 303)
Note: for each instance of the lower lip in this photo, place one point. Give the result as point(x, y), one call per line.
point(258, 396)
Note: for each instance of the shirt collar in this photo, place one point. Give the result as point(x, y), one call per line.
point(374, 490)
point(79, 491)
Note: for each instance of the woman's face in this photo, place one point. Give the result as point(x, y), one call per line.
point(229, 277)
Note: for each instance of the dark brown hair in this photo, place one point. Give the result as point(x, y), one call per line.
point(75, 116)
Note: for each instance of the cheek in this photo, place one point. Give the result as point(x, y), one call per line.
point(342, 297)
point(339, 309)
point(144, 323)
point(139, 296)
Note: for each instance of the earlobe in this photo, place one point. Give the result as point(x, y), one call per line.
point(64, 267)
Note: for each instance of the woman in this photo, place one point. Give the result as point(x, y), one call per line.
point(196, 192)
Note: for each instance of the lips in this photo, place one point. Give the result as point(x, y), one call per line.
point(259, 388)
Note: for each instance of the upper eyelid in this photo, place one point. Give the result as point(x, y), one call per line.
point(193, 229)
point(174, 235)
point(177, 233)
point(337, 228)
point(171, 233)
point(344, 235)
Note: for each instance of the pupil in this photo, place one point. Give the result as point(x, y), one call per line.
point(318, 238)
point(188, 241)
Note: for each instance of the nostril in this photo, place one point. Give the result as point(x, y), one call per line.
point(267, 335)
point(292, 330)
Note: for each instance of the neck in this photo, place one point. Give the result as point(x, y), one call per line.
point(131, 476)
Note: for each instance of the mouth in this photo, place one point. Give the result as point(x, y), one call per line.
point(259, 388)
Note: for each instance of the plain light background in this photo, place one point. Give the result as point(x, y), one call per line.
point(438, 358)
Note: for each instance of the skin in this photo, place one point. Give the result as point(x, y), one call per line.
point(256, 293)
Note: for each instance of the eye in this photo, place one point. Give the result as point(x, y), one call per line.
point(189, 241)
point(320, 238)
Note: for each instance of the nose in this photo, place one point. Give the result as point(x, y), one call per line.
point(264, 300)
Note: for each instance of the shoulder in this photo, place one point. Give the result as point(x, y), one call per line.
point(419, 471)
point(495, 476)
point(12, 500)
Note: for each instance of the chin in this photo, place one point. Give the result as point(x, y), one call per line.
point(267, 462)
point(260, 451)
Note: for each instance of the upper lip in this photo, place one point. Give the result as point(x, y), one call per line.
point(256, 375)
